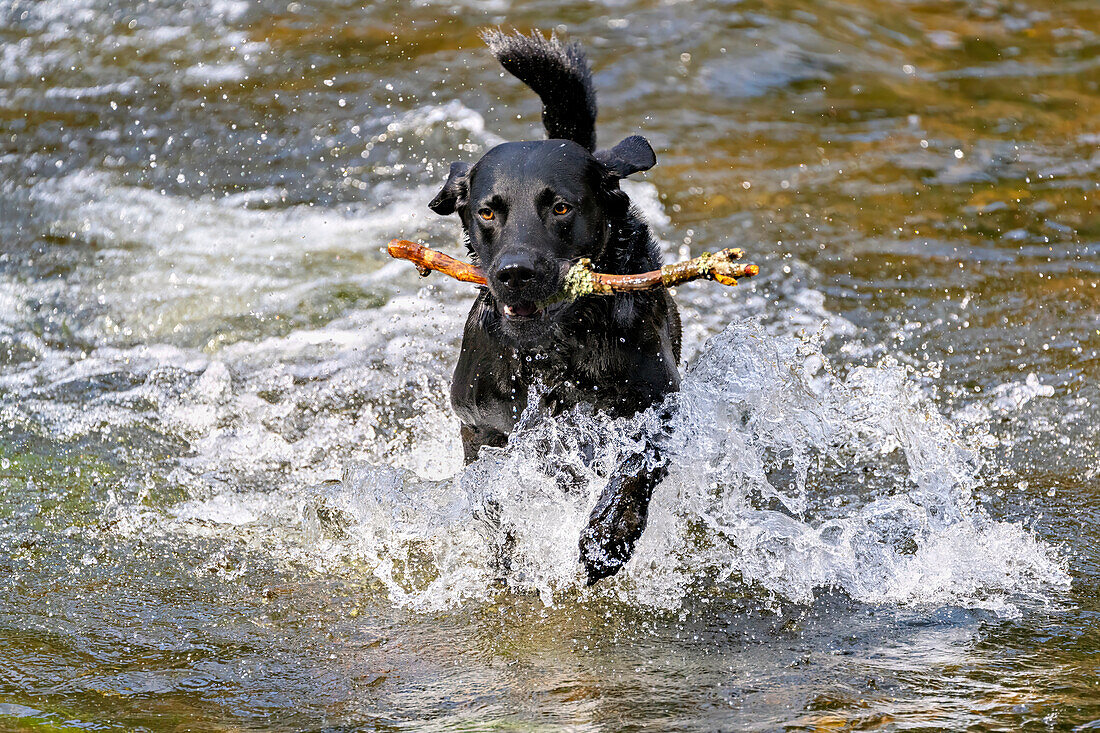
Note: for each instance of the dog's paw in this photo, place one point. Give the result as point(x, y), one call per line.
point(616, 523)
point(600, 562)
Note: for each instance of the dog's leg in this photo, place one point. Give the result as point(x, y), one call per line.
point(619, 517)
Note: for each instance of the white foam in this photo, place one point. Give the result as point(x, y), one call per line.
point(1012, 396)
point(212, 74)
point(453, 115)
point(169, 265)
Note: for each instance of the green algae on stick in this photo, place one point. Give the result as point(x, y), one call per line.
point(581, 280)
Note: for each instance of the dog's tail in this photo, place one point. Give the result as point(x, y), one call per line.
point(558, 72)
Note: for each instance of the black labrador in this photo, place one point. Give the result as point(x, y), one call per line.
point(529, 210)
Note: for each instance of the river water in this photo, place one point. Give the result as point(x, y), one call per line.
point(231, 488)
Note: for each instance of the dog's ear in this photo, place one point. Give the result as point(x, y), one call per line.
point(630, 156)
point(453, 193)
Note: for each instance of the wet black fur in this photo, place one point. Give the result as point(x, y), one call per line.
point(617, 353)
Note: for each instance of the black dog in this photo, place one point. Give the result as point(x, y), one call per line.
point(529, 210)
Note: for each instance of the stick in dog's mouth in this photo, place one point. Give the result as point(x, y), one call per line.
point(580, 279)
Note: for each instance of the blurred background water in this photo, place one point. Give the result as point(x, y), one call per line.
point(231, 492)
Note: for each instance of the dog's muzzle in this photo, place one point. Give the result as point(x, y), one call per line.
point(522, 280)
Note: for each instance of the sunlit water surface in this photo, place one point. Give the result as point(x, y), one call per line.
point(231, 488)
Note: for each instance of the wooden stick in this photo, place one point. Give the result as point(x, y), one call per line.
point(580, 280)
point(427, 260)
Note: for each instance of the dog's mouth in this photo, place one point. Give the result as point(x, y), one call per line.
point(522, 311)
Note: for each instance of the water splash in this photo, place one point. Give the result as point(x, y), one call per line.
point(801, 479)
point(786, 479)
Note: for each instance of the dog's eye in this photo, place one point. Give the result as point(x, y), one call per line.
point(561, 208)
point(486, 214)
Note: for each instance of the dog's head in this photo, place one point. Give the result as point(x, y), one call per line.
point(532, 209)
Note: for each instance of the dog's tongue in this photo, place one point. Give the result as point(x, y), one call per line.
point(523, 310)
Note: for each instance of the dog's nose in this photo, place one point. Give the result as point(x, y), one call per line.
point(516, 272)
point(515, 276)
